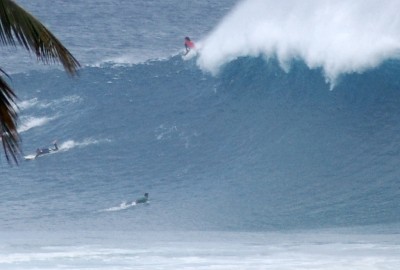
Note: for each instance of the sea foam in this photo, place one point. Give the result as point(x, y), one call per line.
point(338, 36)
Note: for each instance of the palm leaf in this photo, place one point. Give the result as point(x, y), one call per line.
point(18, 27)
point(8, 119)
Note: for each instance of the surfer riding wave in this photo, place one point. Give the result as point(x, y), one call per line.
point(189, 45)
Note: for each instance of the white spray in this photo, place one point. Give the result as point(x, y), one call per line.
point(339, 36)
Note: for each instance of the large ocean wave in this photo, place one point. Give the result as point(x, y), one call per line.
point(340, 37)
point(276, 148)
point(254, 148)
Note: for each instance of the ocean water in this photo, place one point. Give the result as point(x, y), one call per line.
point(275, 147)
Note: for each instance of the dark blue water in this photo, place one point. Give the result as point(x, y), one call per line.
point(241, 151)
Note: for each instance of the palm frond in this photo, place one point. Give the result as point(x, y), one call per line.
point(18, 27)
point(8, 121)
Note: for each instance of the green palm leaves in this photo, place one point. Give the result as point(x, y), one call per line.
point(19, 28)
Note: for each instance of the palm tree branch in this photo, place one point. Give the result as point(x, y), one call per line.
point(18, 27)
point(8, 121)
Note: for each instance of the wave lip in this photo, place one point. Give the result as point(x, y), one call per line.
point(338, 36)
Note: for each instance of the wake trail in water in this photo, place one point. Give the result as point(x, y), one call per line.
point(69, 145)
point(122, 206)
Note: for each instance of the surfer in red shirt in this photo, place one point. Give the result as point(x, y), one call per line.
point(188, 45)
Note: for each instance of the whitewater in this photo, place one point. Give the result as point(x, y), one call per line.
point(276, 147)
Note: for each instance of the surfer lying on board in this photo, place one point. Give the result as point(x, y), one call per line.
point(43, 151)
point(188, 45)
point(143, 199)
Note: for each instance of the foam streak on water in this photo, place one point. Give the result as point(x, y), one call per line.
point(200, 250)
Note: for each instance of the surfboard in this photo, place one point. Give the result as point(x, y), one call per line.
point(191, 54)
point(33, 156)
point(30, 157)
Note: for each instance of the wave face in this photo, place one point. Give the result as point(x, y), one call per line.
point(340, 37)
point(254, 148)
